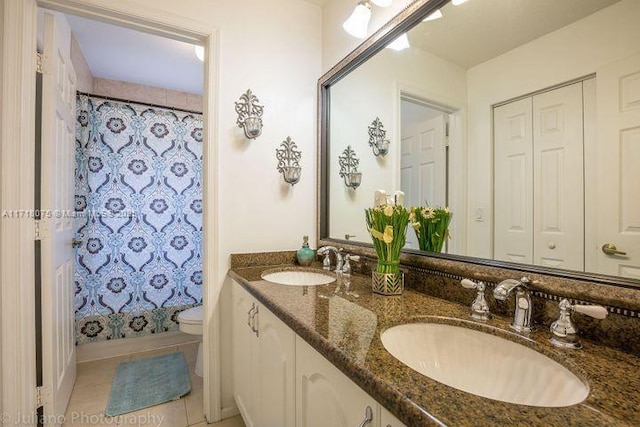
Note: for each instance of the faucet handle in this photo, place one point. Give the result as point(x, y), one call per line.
point(326, 262)
point(595, 311)
point(466, 283)
point(565, 334)
point(479, 306)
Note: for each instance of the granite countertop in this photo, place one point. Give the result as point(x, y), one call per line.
point(345, 328)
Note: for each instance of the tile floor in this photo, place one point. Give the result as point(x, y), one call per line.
point(93, 385)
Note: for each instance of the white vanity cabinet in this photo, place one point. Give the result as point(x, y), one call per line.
point(326, 397)
point(388, 420)
point(280, 380)
point(263, 363)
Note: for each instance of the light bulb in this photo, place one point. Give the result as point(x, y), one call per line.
point(200, 52)
point(358, 22)
point(435, 15)
point(458, 2)
point(401, 43)
point(383, 3)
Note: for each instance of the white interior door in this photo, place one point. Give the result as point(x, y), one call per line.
point(513, 182)
point(57, 194)
point(618, 117)
point(558, 176)
point(423, 166)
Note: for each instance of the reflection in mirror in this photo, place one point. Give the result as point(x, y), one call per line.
point(524, 121)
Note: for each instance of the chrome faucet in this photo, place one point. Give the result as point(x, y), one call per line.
point(326, 263)
point(564, 333)
point(524, 309)
point(479, 307)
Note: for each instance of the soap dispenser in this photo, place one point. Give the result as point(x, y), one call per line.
point(305, 254)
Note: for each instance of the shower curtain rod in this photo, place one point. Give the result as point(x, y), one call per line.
point(128, 101)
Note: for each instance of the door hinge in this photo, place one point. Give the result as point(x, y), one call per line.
point(36, 230)
point(42, 393)
point(39, 66)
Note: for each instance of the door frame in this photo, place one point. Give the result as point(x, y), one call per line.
point(17, 311)
point(457, 158)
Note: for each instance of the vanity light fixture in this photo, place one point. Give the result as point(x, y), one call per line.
point(249, 115)
point(401, 43)
point(377, 138)
point(358, 22)
point(435, 15)
point(385, 3)
point(349, 168)
point(288, 157)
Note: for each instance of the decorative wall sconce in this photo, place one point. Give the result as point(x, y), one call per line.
point(377, 138)
point(249, 115)
point(288, 157)
point(349, 168)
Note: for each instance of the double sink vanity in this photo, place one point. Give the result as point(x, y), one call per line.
point(328, 351)
point(507, 115)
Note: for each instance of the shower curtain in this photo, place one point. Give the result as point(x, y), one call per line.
point(138, 202)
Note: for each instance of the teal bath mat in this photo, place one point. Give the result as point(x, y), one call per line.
point(142, 383)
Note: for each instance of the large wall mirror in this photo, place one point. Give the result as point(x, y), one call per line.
point(521, 117)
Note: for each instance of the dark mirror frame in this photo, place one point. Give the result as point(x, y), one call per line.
point(403, 22)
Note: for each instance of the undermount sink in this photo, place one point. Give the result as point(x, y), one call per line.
point(483, 364)
point(298, 277)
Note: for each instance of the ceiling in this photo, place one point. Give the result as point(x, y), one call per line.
point(478, 30)
point(119, 53)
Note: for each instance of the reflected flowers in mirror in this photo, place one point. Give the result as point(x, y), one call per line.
point(431, 225)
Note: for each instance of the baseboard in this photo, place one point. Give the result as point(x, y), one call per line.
point(229, 412)
point(125, 346)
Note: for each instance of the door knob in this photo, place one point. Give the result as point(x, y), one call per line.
point(610, 249)
point(76, 243)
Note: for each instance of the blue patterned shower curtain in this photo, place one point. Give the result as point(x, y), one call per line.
point(138, 192)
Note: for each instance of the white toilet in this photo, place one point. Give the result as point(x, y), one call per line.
point(190, 322)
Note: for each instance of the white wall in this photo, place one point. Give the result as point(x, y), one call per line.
point(336, 43)
point(570, 52)
point(373, 90)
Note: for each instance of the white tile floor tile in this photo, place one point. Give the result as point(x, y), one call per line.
point(93, 385)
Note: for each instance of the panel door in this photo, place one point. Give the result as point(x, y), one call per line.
point(423, 166)
point(618, 117)
point(244, 347)
point(513, 182)
point(276, 367)
point(325, 396)
point(57, 194)
point(558, 173)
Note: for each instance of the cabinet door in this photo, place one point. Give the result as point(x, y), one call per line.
point(244, 347)
point(276, 367)
point(388, 420)
point(325, 396)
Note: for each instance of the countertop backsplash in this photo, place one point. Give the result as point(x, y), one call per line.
point(441, 279)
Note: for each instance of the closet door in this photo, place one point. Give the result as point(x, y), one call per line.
point(618, 117)
point(513, 182)
point(558, 190)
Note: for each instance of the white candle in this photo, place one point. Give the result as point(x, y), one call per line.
point(399, 198)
